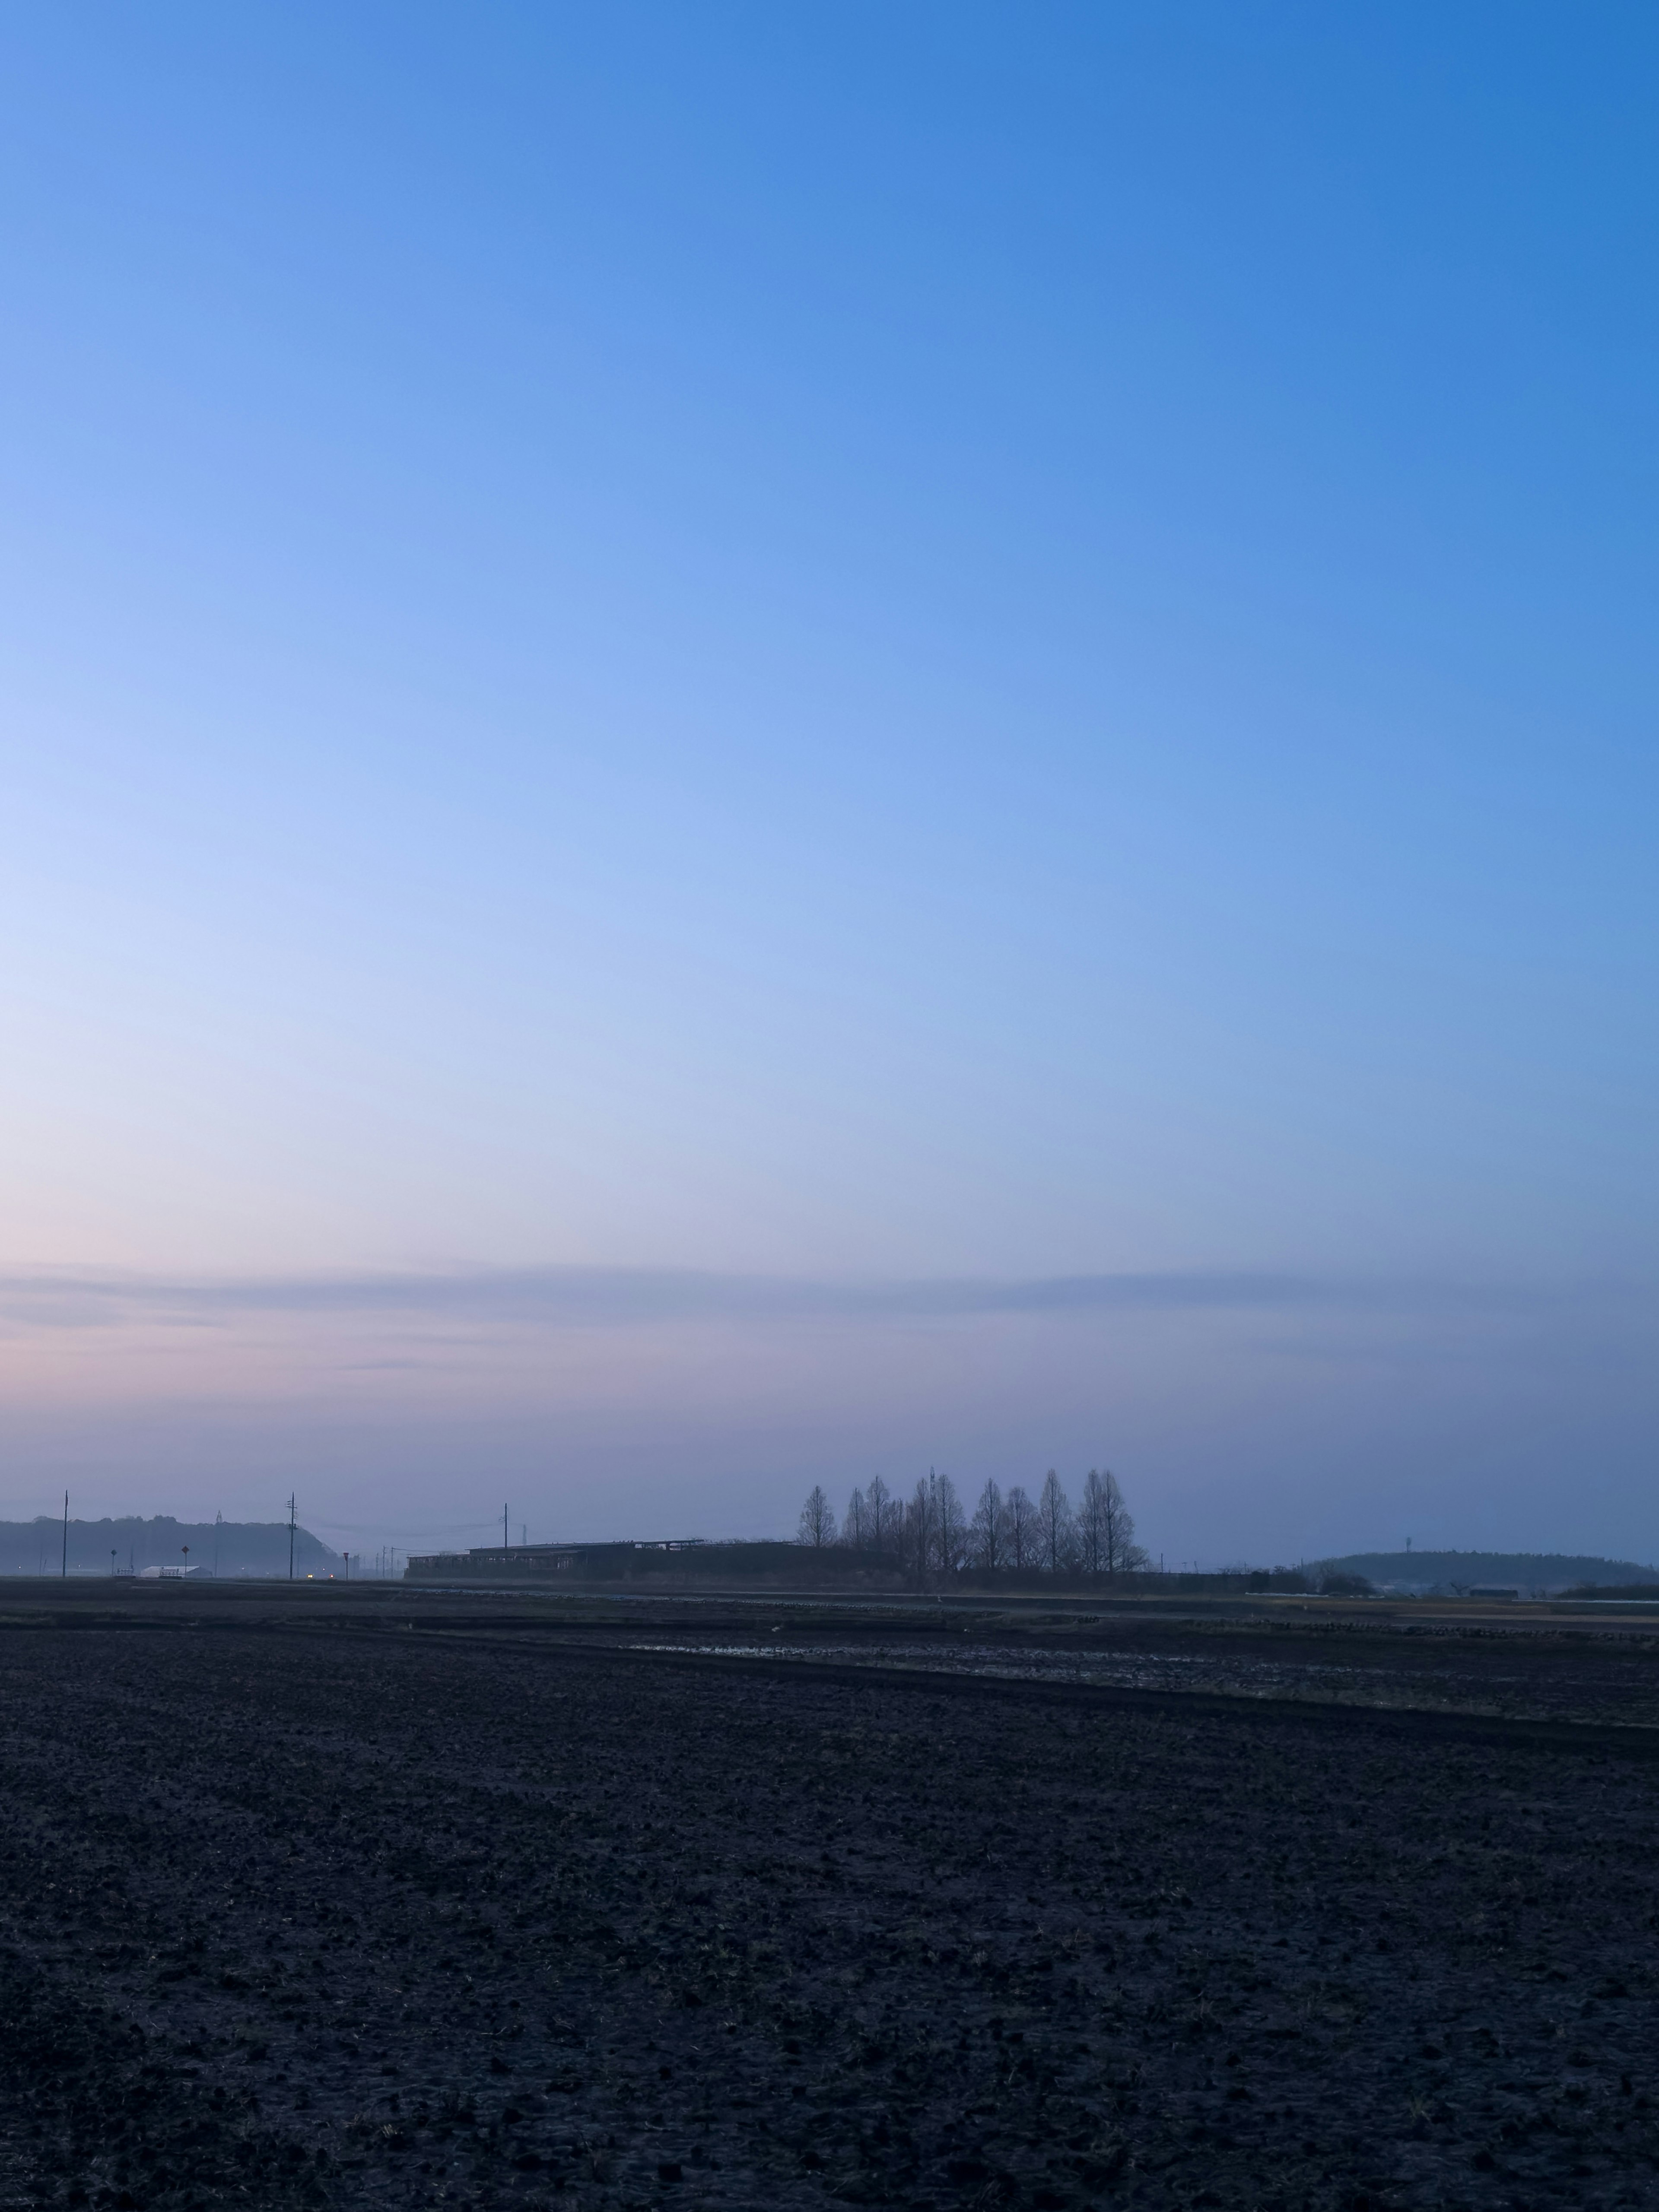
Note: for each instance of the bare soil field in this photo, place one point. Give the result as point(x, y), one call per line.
point(317, 1909)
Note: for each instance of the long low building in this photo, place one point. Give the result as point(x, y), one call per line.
point(574, 1562)
point(671, 1563)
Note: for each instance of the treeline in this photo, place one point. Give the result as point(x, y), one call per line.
point(931, 1534)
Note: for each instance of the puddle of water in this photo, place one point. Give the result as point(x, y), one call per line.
point(1232, 1676)
point(1183, 1670)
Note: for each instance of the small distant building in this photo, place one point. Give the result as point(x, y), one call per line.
point(1496, 1589)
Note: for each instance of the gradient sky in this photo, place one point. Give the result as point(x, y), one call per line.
point(745, 744)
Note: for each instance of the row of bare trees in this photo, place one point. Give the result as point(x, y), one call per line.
point(928, 1533)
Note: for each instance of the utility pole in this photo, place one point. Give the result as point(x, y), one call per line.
point(66, 1535)
point(291, 1512)
point(506, 1544)
point(218, 1523)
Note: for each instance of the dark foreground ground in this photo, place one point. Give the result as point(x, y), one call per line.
point(305, 1917)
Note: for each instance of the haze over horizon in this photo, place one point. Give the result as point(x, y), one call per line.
point(747, 749)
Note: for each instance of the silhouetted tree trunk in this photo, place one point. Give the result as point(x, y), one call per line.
point(852, 1529)
point(818, 1520)
point(949, 1526)
point(988, 1533)
point(1120, 1553)
point(877, 1513)
point(898, 1515)
point(1022, 1530)
point(1053, 1516)
point(1093, 1549)
point(919, 1532)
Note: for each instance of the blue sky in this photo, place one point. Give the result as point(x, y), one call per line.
point(840, 647)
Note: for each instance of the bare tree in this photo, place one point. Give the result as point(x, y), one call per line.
point(921, 1525)
point(1121, 1554)
point(987, 1530)
point(897, 1519)
point(1054, 1517)
point(900, 1547)
point(1022, 1530)
point(852, 1529)
point(950, 1525)
point(817, 1519)
point(878, 1508)
point(1105, 1528)
point(1088, 1528)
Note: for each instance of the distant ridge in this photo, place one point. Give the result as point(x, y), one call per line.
point(242, 1548)
point(1550, 1572)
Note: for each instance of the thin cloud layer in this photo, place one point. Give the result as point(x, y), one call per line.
point(620, 1297)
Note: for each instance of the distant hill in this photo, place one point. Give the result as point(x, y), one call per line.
point(1530, 1570)
point(242, 1548)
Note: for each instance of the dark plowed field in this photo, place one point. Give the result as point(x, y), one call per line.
point(307, 1919)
